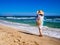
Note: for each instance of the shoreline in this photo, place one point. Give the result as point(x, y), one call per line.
point(12, 36)
point(52, 32)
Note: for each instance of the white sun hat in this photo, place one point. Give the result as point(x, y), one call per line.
point(40, 12)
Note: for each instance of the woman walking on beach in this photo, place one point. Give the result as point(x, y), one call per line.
point(39, 20)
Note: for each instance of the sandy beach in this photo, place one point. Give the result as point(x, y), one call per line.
point(29, 22)
point(11, 36)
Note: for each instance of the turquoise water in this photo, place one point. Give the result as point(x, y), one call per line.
point(50, 22)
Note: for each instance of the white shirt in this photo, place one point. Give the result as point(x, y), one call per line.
point(41, 20)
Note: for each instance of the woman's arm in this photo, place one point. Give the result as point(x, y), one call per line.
point(37, 18)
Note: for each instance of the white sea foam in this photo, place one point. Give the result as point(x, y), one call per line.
point(52, 32)
point(20, 17)
point(53, 20)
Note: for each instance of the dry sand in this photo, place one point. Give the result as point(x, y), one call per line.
point(10, 36)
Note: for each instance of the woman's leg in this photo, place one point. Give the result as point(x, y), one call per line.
point(40, 31)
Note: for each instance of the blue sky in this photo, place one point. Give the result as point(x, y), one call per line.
point(29, 7)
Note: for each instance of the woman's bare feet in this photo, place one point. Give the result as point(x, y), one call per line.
point(40, 35)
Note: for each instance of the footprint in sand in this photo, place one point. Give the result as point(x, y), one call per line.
point(24, 43)
point(36, 43)
point(17, 40)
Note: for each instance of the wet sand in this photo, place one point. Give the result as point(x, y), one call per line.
point(11, 36)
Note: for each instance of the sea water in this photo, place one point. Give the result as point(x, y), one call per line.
point(50, 21)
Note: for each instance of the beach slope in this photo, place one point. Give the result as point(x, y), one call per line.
point(11, 36)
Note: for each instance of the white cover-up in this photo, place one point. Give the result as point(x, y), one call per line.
point(41, 20)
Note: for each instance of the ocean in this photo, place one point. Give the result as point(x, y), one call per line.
point(50, 21)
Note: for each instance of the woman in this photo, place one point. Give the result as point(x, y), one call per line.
point(39, 20)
